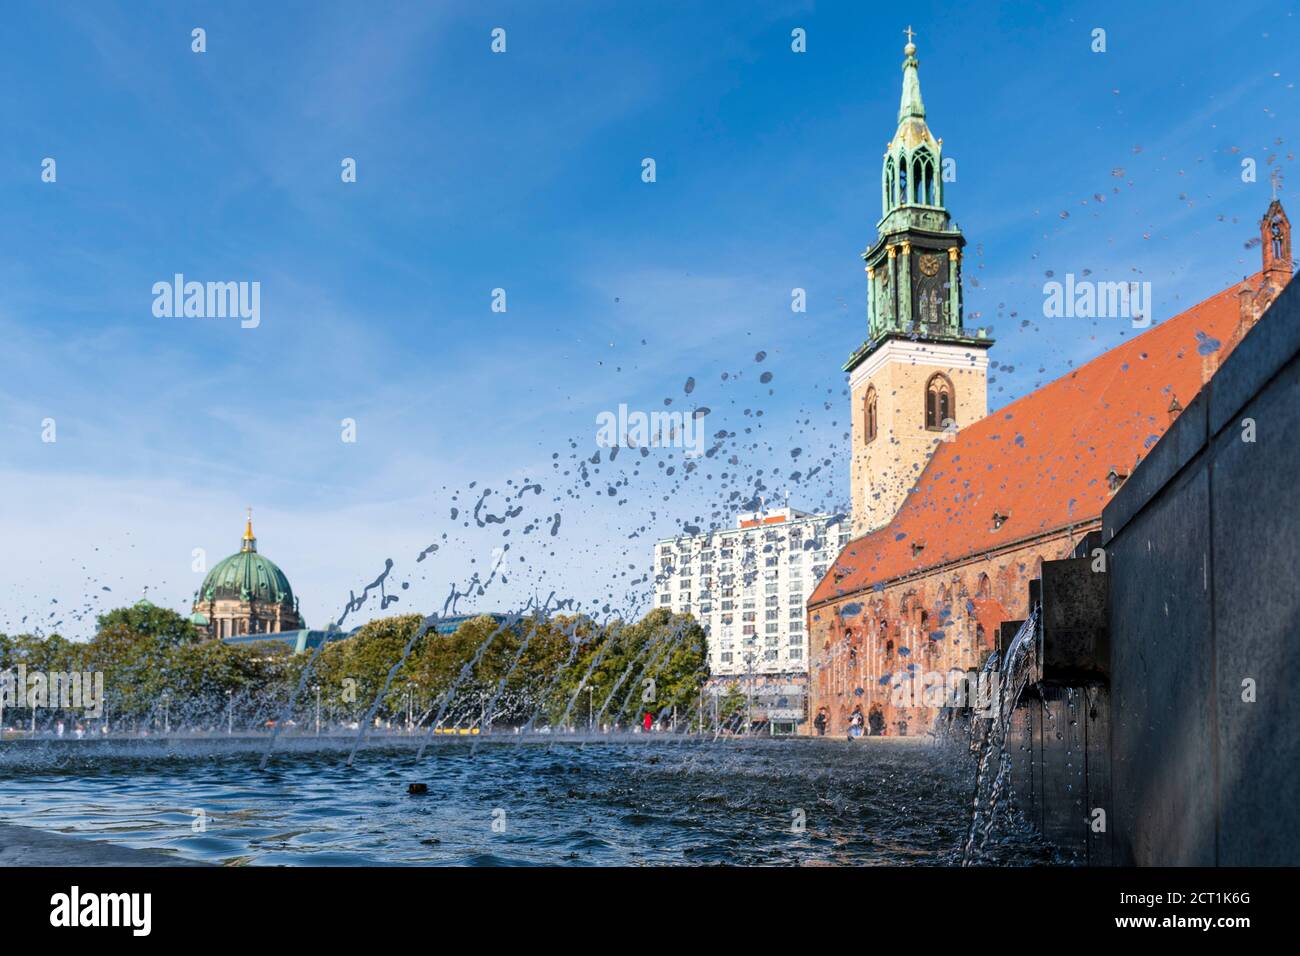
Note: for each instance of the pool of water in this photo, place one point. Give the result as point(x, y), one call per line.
point(596, 803)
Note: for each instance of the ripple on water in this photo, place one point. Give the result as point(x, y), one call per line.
point(600, 803)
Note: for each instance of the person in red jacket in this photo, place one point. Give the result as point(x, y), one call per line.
point(648, 721)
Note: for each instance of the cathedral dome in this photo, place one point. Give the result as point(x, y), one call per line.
point(246, 576)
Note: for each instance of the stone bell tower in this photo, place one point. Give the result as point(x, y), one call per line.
point(919, 377)
point(1275, 234)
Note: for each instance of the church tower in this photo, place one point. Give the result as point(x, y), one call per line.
point(919, 377)
point(1275, 236)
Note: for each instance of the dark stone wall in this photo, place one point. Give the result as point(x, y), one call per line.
point(1162, 668)
point(1059, 743)
point(1203, 549)
point(1256, 532)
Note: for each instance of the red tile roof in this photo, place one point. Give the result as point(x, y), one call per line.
point(1042, 460)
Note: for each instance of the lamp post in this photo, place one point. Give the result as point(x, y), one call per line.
point(230, 711)
point(167, 722)
point(317, 689)
point(749, 698)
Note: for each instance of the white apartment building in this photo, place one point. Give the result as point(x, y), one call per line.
point(748, 587)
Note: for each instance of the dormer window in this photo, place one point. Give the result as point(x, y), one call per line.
point(998, 520)
point(1174, 408)
point(1114, 479)
point(917, 548)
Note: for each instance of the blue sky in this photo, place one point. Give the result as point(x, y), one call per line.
point(522, 171)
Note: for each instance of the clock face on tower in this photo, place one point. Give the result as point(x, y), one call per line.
point(929, 293)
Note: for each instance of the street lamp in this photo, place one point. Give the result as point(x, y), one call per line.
point(167, 722)
point(230, 711)
point(317, 689)
point(749, 702)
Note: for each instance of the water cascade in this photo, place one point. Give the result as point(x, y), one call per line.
point(993, 773)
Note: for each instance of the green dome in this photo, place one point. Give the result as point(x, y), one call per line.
point(246, 576)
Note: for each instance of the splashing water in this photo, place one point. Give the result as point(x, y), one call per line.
point(993, 772)
point(488, 712)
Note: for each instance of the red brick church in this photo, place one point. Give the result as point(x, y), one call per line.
point(955, 510)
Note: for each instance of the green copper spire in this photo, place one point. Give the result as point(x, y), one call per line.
point(912, 173)
point(914, 265)
point(911, 105)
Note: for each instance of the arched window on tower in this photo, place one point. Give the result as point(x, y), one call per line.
point(940, 400)
point(904, 195)
point(923, 177)
point(869, 416)
point(891, 186)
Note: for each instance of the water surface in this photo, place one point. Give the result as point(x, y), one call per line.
point(679, 801)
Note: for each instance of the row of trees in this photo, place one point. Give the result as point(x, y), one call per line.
point(543, 670)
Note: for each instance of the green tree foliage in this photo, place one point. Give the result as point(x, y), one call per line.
point(732, 708)
point(149, 620)
point(491, 672)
